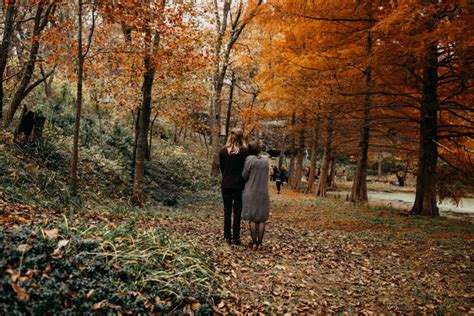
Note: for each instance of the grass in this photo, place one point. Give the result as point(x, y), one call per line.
point(314, 212)
point(127, 269)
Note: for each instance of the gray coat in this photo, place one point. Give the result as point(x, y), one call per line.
point(255, 198)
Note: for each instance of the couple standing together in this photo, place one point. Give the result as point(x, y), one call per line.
point(244, 188)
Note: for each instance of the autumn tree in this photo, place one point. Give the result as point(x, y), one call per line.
point(10, 9)
point(230, 22)
point(81, 55)
point(42, 12)
point(426, 50)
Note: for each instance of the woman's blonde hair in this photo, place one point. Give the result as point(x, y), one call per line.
point(235, 141)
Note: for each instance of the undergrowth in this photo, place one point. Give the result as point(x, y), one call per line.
point(76, 271)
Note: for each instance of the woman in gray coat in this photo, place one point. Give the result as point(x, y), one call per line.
point(255, 198)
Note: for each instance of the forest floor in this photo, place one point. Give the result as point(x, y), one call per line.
point(326, 256)
point(320, 256)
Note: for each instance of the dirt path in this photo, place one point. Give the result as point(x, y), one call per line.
point(323, 256)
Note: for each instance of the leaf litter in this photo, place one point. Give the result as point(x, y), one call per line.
point(323, 256)
point(320, 256)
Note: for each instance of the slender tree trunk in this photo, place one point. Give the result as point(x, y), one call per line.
point(138, 195)
point(332, 173)
point(222, 63)
point(219, 74)
point(425, 197)
point(216, 132)
point(48, 84)
point(135, 125)
point(20, 92)
point(229, 105)
point(211, 122)
point(282, 157)
point(9, 12)
point(292, 150)
point(300, 156)
point(314, 156)
point(151, 137)
point(323, 177)
point(359, 187)
point(77, 122)
point(256, 134)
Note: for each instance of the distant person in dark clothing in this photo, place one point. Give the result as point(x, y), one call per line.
point(274, 173)
point(232, 159)
point(278, 179)
point(286, 175)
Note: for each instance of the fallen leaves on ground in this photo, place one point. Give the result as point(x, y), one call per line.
point(357, 263)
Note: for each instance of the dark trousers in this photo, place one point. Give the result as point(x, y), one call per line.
point(278, 183)
point(232, 202)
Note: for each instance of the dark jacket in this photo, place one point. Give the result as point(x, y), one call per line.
point(231, 168)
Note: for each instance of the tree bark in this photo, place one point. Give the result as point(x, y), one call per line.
point(314, 156)
point(138, 194)
point(24, 87)
point(425, 196)
point(9, 12)
point(221, 64)
point(359, 186)
point(292, 150)
point(282, 157)
point(323, 177)
point(332, 174)
point(30, 128)
point(299, 159)
point(77, 122)
point(229, 105)
point(151, 137)
point(219, 74)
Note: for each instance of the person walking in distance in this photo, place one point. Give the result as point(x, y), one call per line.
point(232, 158)
point(279, 179)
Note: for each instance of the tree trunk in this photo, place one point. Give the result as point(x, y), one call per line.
point(314, 156)
point(24, 86)
point(332, 174)
point(323, 177)
point(282, 153)
point(138, 195)
point(77, 122)
point(237, 26)
point(48, 84)
point(30, 128)
point(148, 158)
point(425, 196)
point(359, 186)
point(299, 159)
point(216, 132)
point(229, 106)
point(292, 150)
point(8, 28)
point(135, 125)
